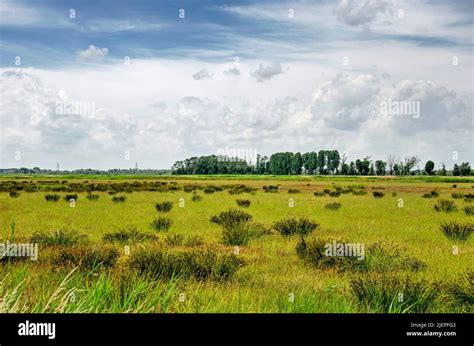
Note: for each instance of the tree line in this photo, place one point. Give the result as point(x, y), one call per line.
point(323, 162)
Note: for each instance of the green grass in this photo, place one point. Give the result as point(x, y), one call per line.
point(273, 279)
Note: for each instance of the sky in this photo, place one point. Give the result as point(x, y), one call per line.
point(111, 84)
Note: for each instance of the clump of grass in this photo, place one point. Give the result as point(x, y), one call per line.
point(469, 210)
point(391, 294)
point(292, 226)
point(51, 197)
point(230, 218)
point(457, 195)
point(92, 197)
point(196, 197)
point(431, 194)
point(164, 207)
point(240, 234)
point(270, 188)
point(446, 206)
point(375, 258)
point(174, 239)
point(60, 237)
point(333, 206)
point(127, 235)
point(319, 194)
point(87, 258)
point(119, 199)
point(161, 224)
point(455, 186)
point(294, 191)
point(244, 203)
point(359, 192)
point(201, 264)
point(462, 290)
point(14, 194)
point(378, 194)
point(457, 231)
point(334, 193)
point(211, 189)
point(69, 196)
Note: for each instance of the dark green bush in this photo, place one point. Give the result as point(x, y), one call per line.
point(378, 194)
point(51, 198)
point(119, 199)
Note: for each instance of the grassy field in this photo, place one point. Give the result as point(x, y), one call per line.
point(201, 266)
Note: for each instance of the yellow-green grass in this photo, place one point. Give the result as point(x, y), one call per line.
point(274, 278)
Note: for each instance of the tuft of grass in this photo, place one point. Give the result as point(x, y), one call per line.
point(391, 294)
point(359, 192)
point(457, 195)
point(119, 199)
point(161, 224)
point(86, 258)
point(376, 258)
point(240, 234)
point(69, 196)
point(446, 206)
point(457, 231)
point(431, 194)
point(292, 226)
point(333, 206)
point(60, 237)
point(462, 290)
point(201, 263)
point(51, 197)
point(127, 235)
point(14, 194)
point(319, 194)
point(294, 191)
point(469, 210)
point(334, 193)
point(174, 239)
point(92, 197)
point(378, 194)
point(164, 207)
point(196, 197)
point(230, 218)
point(244, 203)
point(270, 188)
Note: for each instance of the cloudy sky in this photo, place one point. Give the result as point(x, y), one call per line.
point(104, 84)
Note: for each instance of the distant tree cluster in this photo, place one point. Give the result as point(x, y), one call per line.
point(323, 162)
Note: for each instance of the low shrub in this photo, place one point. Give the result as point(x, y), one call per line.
point(378, 194)
point(161, 224)
point(270, 188)
point(457, 231)
point(164, 207)
point(446, 206)
point(60, 237)
point(244, 203)
point(291, 226)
